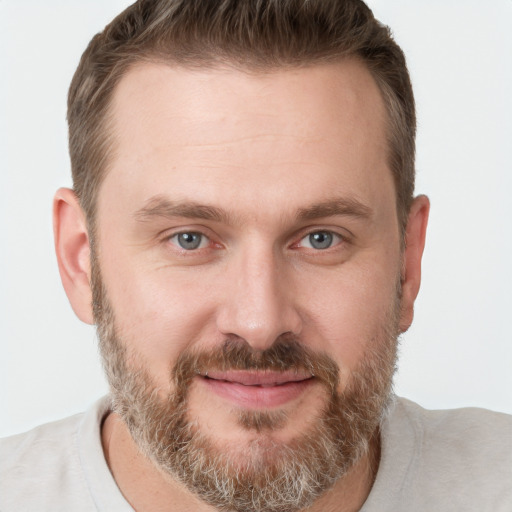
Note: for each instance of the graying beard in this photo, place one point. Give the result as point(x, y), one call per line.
point(272, 478)
point(261, 421)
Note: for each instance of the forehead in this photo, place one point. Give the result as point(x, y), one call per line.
point(225, 135)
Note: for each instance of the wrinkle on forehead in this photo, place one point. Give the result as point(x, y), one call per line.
point(260, 144)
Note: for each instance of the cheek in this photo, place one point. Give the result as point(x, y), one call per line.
point(158, 315)
point(350, 310)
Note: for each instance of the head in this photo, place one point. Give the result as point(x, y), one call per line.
point(243, 233)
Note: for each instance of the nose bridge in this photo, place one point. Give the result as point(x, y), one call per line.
point(257, 305)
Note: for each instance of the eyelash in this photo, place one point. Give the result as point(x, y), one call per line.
point(336, 239)
point(204, 243)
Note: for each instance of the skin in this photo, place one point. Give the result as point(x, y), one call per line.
point(263, 149)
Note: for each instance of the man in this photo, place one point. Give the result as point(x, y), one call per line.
point(243, 233)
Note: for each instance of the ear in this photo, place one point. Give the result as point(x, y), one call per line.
point(73, 252)
point(411, 265)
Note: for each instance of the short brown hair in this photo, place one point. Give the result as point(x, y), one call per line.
point(249, 34)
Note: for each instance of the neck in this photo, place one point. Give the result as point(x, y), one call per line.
point(145, 487)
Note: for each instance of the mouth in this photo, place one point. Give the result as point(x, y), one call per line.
point(257, 389)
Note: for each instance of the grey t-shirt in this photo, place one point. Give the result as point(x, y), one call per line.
point(456, 460)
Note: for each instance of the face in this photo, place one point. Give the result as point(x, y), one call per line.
point(247, 268)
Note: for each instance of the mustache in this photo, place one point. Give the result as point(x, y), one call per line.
point(285, 354)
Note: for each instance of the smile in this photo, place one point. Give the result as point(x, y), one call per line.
point(256, 389)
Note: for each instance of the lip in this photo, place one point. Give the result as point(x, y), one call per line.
point(256, 389)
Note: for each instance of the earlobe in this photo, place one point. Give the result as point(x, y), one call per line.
point(73, 252)
point(411, 265)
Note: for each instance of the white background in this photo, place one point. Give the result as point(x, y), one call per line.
point(459, 351)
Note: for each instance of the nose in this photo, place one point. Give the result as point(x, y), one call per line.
point(258, 303)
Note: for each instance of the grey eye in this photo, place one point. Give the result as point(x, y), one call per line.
point(189, 241)
point(320, 240)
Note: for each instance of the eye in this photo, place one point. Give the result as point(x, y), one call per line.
point(189, 240)
point(320, 240)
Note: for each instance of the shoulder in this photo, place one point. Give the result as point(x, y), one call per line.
point(42, 469)
point(477, 438)
point(458, 459)
point(29, 456)
point(35, 444)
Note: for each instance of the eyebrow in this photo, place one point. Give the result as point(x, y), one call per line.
point(350, 207)
point(160, 206)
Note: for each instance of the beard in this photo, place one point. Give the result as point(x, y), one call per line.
point(263, 475)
